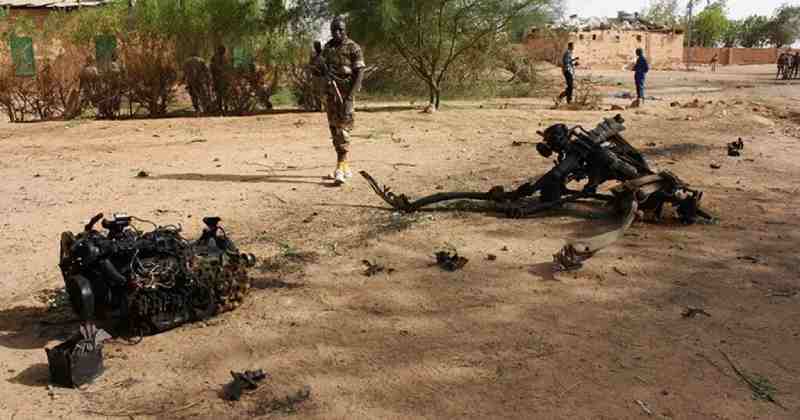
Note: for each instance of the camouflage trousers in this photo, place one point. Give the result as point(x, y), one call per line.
point(341, 122)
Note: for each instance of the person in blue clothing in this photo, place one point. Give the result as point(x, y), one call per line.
point(640, 68)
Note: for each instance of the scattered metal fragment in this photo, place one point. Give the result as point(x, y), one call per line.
point(715, 165)
point(244, 381)
point(692, 312)
point(735, 148)
point(620, 272)
point(450, 261)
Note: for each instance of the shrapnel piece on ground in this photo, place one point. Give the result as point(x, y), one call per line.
point(450, 261)
point(596, 157)
point(735, 148)
point(151, 281)
point(243, 381)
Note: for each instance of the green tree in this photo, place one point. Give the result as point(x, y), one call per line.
point(435, 36)
point(784, 28)
point(732, 35)
point(753, 32)
point(710, 25)
point(663, 12)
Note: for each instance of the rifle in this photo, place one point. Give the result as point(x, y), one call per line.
point(326, 72)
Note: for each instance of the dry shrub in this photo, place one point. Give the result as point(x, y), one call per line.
point(45, 96)
point(150, 77)
point(247, 88)
point(9, 99)
point(43, 100)
point(587, 96)
point(66, 70)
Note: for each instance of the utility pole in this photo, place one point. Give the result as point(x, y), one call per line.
point(689, 11)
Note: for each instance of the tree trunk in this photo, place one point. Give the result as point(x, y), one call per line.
point(435, 94)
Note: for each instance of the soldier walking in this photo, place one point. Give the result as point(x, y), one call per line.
point(568, 68)
point(341, 63)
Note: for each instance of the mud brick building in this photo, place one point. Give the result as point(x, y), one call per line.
point(609, 43)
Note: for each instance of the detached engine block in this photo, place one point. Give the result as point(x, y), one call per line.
point(154, 280)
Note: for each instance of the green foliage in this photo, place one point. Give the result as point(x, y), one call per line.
point(90, 22)
point(710, 25)
point(439, 41)
point(663, 12)
point(753, 32)
point(784, 28)
point(730, 38)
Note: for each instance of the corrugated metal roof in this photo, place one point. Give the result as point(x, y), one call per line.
point(53, 4)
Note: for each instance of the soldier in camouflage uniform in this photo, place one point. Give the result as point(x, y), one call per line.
point(89, 81)
point(342, 64)
point(220, 74)
point(197, 78)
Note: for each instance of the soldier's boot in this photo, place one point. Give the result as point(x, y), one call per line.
point(338, 175)
point(348, 173)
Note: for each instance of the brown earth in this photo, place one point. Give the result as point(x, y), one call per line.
point(499, 339)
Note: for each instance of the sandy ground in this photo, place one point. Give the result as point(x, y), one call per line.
point(499, 339)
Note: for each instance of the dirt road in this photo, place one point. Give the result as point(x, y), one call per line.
point(499, 339)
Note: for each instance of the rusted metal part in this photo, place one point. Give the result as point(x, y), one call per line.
point(572, 256)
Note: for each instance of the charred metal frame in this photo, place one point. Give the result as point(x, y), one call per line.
point(597, 156)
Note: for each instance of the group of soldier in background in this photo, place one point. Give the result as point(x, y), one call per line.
point(788, 66)
point(209, 86)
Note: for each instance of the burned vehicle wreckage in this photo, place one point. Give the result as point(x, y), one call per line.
point(141, 283)
point(595, 157)
point(151, 281)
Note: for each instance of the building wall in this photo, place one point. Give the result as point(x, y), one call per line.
point(612, 48)
point(734, 56)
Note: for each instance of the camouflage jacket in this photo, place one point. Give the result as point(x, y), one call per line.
point(341, 59)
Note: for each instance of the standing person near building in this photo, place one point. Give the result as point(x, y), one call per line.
point(568, 64)
point(341, 64)
point(640, 71)
point(714, 61)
